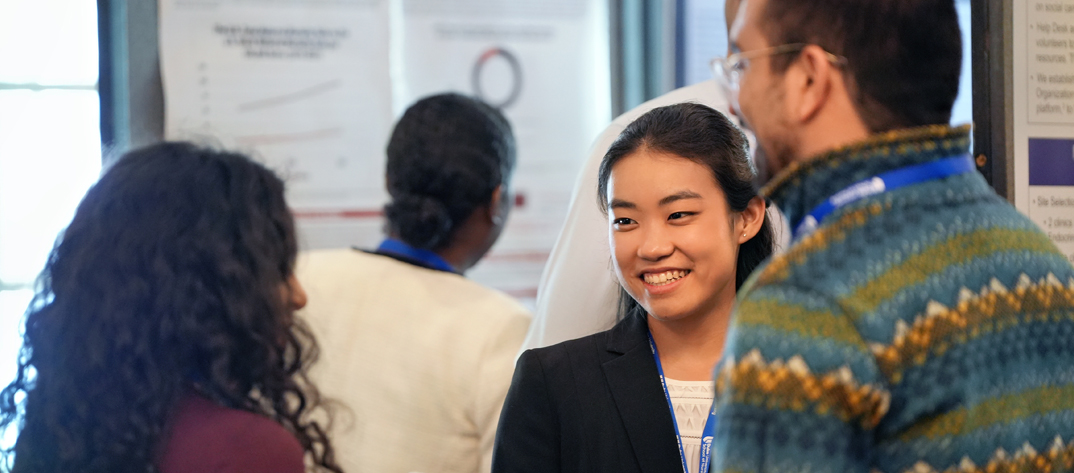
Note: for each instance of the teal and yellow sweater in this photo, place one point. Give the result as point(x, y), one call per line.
point(927, 329)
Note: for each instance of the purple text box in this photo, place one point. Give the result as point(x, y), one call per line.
point(1051, 162)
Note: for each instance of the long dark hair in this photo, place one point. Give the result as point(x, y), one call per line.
point(447, 155)
point(169, 280)
point(705, 136)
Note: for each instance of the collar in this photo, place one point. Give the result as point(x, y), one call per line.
point(417, 256)
point(806, 184)
point(634, 384)
point(630, 333)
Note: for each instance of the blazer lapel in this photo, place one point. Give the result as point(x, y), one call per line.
point(639, 397)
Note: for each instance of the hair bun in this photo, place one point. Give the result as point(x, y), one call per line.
point(420, 221)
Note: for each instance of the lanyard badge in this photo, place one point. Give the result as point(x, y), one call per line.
point(707, 433)
point(885, 182)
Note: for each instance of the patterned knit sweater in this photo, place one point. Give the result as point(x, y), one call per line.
point(928, 328)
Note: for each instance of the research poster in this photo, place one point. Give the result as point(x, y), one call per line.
point(1043, 45)
point(302, 85)
point(312, 88)
point(545, 65)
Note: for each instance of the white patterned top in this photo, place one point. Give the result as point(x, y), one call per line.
point(692, 401)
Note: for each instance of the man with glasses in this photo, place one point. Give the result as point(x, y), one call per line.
point(917, 322)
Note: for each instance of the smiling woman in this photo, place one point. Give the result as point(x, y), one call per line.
point(674, 237)
point(686, 228)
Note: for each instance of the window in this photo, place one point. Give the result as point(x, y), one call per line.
point(50, 148)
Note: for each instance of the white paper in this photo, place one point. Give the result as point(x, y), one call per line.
point(1043, 45)
point(321, 112)
point(303, 85)
point(546, 64)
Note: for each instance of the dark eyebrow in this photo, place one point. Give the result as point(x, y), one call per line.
point(681, 195)
point(621, 204)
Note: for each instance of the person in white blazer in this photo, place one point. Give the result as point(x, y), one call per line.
point(420, 356)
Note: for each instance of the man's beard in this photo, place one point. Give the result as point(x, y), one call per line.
point(775, 147)
point(760, 163)
point(776, 153)
point(771, 155)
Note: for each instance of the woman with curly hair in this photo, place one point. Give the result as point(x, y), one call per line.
point(162, 336)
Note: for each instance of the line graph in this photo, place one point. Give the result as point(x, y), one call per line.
point(279, 138)
point(296, 96)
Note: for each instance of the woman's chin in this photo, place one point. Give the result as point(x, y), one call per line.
point(669, 314)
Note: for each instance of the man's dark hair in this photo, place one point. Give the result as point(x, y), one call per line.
point(903, 56)
point(446, 156)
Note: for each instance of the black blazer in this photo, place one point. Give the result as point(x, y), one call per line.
point(594, 404)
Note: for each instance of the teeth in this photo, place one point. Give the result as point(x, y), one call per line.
point(659, 279)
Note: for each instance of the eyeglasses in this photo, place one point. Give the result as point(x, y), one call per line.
point(728, 70)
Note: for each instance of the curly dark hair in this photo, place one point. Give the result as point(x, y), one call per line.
point(170, 279)
point(446, 156)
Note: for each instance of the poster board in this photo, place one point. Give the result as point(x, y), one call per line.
point(312, 88)
point(1042, 120)
point(300, 85)
point(545, 65)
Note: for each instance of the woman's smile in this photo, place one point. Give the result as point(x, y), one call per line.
point(663, 281)
point(672, 234)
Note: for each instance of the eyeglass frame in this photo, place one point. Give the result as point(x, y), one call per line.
point(728, 70)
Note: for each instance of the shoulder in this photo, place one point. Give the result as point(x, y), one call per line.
point(571, 354)
point(551, 372)
point(345, 267)
point(342, 260)
point(209, 437)
point(348, 286)
point(468, 299)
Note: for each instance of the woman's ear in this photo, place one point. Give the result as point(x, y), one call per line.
point(750, 220)
point(496, 213)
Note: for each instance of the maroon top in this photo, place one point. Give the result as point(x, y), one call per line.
point(207, 437)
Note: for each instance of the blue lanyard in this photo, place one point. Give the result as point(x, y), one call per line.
point(887, 181)
point(425, 256)
point(710, 424)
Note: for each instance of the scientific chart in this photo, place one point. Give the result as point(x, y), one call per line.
point(303, 85)
point(312, 87)
point(1043, 45)
point(545, 64)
